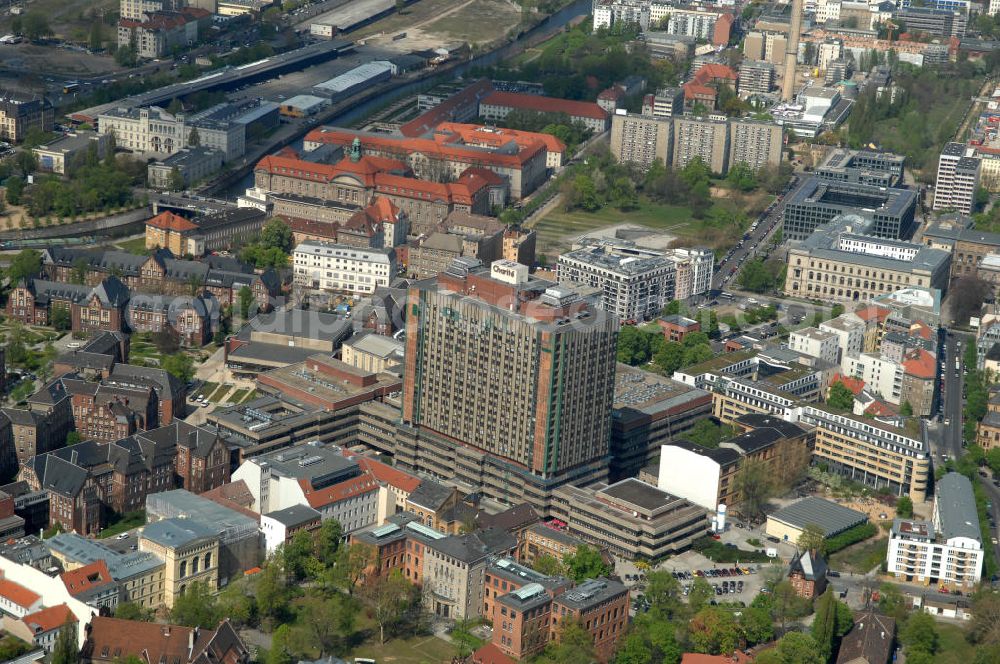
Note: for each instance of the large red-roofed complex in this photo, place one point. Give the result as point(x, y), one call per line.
point(497, 105)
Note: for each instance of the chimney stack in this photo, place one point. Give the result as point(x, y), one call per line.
point(791, 51)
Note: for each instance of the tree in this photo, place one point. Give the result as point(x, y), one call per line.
point(812, 538)
point(194, 140)
point(664, 594)
point(196, 607)
point(271, 590)
point(400, 6)
point(298, 557)
point(754, 486)
point(27, 263)
point(756, 625)
point(670, 357)
point(35, 26)
point(280, 647)
point(919, 634)
point(967, 297)
point(61, 318)
point(246, 302)
point(176, 180)
point(132, 611)
point(904, 507)
point(327, 541)
point(585, 563)
point(700, 595)
point(756, 277)
point(986, 617)
point(839, 396)
point(548, 565)
point(73, 437)
point(787, 604)
point(714, 631)
point(906, 410)
point(465, 641)
point(633, 346)
point(179, 365)
point(327, 622)
point(96, 36)
point(833, 619)
point(741, 177)
point(793, 648)
point(14, 188)
point(65, 650)
point(574, 646)
point(705, 433)
point(277, 233)
point(388, 597)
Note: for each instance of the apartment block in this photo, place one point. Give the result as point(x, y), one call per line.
point(946, 552)
point(756, 144)
point(704, 138)
point(509, 382)
point(641, 139)
point(815, 343)
point(756, 77)
point(957, 179)
point(665, 103)
point(635, 284)
point(868, 451)
point(341, 268)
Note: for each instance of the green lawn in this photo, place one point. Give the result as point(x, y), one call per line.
point(250, 396)
point(126, 522)
point(238, 396)
point(953, 648)
point(220, 393)
point(861, 557)
point(558, 226)
point(205, 389)
point(414, 650)
point(134, 246)
point(716, 230)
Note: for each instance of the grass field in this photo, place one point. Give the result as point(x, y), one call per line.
point(220, 393)
point(481, 22)
point(251, 395)
point(205, 389)
point(136, 245)
point(953, 648)
point(128, 521)
point(558, 227)
point(415, 650)
point(238, 396)
point(861, 557)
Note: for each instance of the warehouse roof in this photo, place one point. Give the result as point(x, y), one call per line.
point(830, 517)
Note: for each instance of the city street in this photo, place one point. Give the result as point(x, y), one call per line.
point(768, 222)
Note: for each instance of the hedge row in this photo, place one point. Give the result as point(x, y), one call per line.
point(850, 536)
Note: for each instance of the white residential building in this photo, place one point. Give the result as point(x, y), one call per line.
point(636, 283)
point(947, 552)
point(881, 376)
point(338, 267)
point(850, 332)
point(816, 343)
point(957, 179)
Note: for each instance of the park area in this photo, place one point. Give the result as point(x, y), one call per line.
point(719, 228)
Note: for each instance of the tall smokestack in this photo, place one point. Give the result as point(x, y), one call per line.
point(791, 51)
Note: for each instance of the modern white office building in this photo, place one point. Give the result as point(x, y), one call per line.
point(957, 179)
